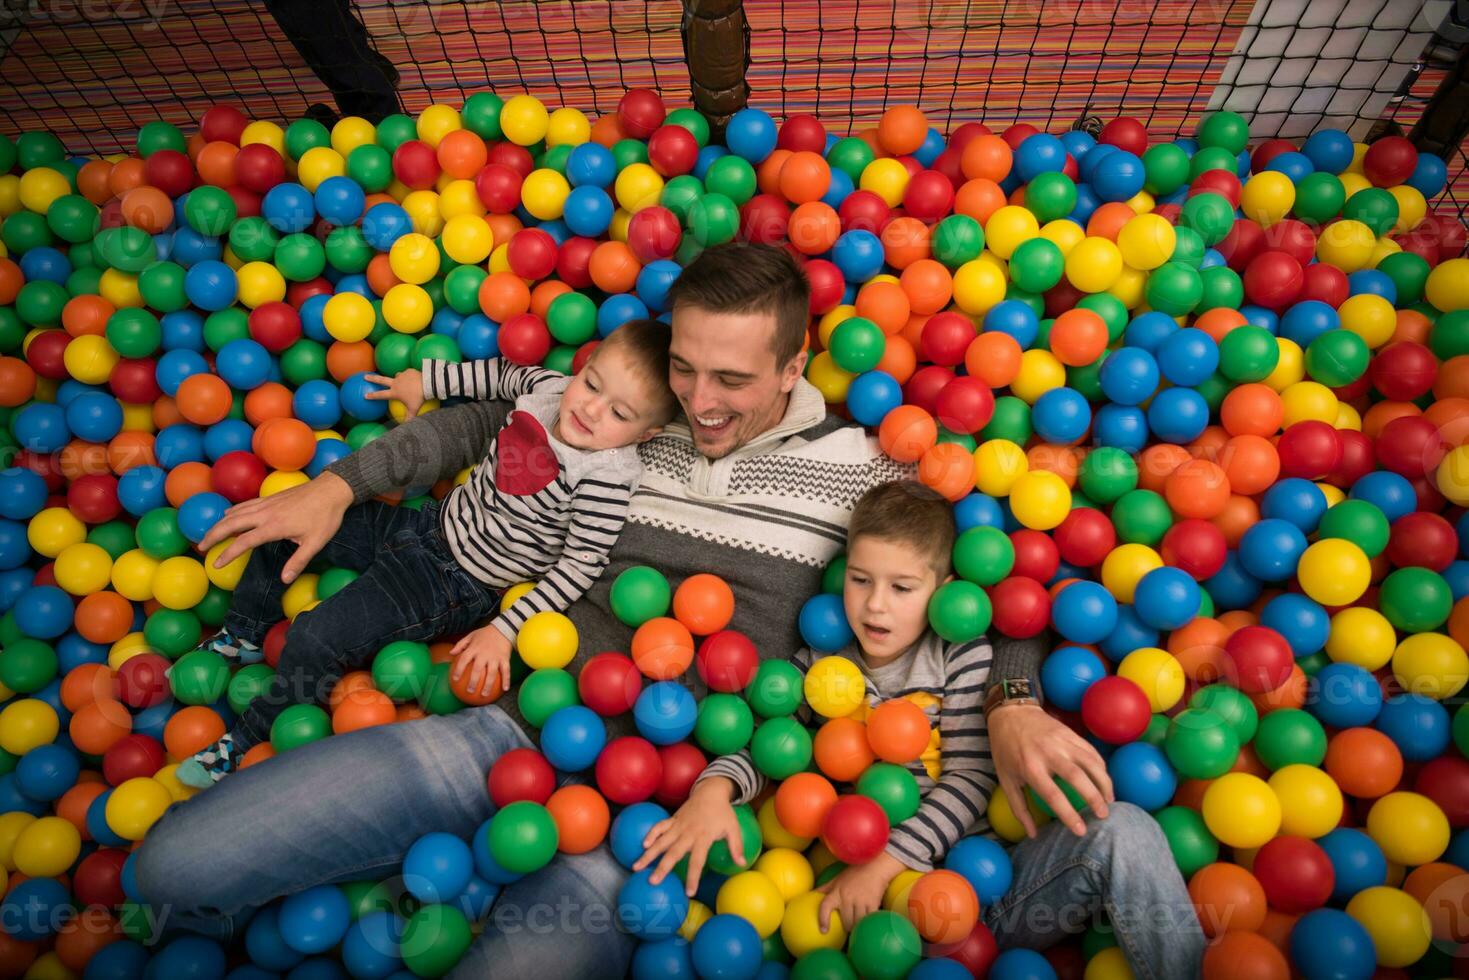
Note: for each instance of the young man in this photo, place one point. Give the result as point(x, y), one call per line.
point(755, 485)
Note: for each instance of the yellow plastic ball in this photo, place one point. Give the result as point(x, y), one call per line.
point(1452, 476)
point(299, 594)
point(126, 649)
point(1125, 566)
point(513, 594)
point(998, 466)
point(9, 195)
point(1147, 241)
point(547, 640)
point(408, 308)
point(1334, 495)
point(180, 582)
point(1130, 287)
point(349, 317)
point(120, 289)
point(1040, 372)
point(1346, 244)
point(1334, 572)
point(414, 258)
point(26, 724)
point(1409, 827)
point(834, 687)
point(1370, 317)
point(544, 194)
point(54, 529)
point(458, 199)
point(831, 320)
point(1267, 198)
point(568, 127)
point(832, 381)
point(228, 577)
point(1094, 264)
point(524, 120)
point(1396, 921)
point(40, 187)
point(754, 898)
point(1347, 417)
point(1307, 401)
point(887, 178)
point(264, 131)
point(424, 211)
point(468, 239)
point(283, 480)
point(400, 414)
point(895, 896)
point(1008, 227)
point(83, 568)
point(699, 913)
point(317, 164)
point(436, 122)
point(617, 231)
point(1066, 234)
point(1411, 206)
point(1310, 801)
point(638, 186)
point(1142, 202)
point(1383, 248)
point(1361, 636)
point(773, 834)
point(787, 869)
point(979, 285)
point(1002, 817)
point(1158, 673)
point(168, 778)
point(1448, 286)
point(1431, 664)
point(12, 825)
point(137, 418)
point(1241, 810)
point(49, 966)
point(260, 283)
point(135, 806)
point(350, 132)
point(1040, 500)
point(90, 359)
point(47, 847)
point(800, 927)
point(1108, 964)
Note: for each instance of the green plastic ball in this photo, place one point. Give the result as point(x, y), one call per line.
point(1248, 353)
point(223, 326)
point(481, 115)
point(1319, 197)
point(304, 361)
point(1201, 744)
point(1231, 704)
point(162, 286)
point(776, 689)
point(1189, 839)
point(724, 725)
point(626, 152)
point(884, 946)
point(834, 576)
point(545, 692)
point(371, 166)
point(1174, 288)
point(1107, 473)
point(733, 177)
point(1337, 358)
point(173, 632)
point(248, 684)
point(436, 347)
point(781, 747)
point(200, 677)
point(73, 218)
point(1037, 263)
point(1050, 195)
point(134, 332)
point(1141, 517)
point(115, 537)
point(824, 964)
point(300, 257)
point(1212, 158)
point(1209, 214)
point(1222, 287)
point(27, 665)
point(334, 580)
point(1165, 168)
point(891, 787)
point(437, 697)
point(1415, 600)
point(750, 844)
point(639, 594)
point(956, 240)
point(210, 210)
point(851, 155)
point(253, 239)
point(400, 670)
point(434, 940)
point(714, 219)
point(1408, 273)
point(212, 608)
point(560, 359)
point(679, 195)
point(959, 611)
point(1374, 207)
point(1289, 736)
point(1011, 420)
point(572, 318)
point(984, 555)
point(346, 249)
point(1461, 729)
point(693, 121)
point(1359, 522)
point(1188, 247)
point(159, 135)
point(159, 535)
point(298, 725)
point(857, 344)
point(129, 249)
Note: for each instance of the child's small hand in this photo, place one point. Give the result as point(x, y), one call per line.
point(857, 891)
point(406, 387)
point(704, 818)
point(485, 653)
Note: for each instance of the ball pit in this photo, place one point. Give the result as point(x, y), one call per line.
point(1200, 413)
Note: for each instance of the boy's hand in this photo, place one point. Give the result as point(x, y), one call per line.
point(857, 891)
point(485, 653)
point(407, 388)
point(704, 818)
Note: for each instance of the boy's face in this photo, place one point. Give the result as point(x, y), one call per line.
point(608, 404)
point(885, 594)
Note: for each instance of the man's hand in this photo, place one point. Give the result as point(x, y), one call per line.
point(405, 387)
point(1030, 749)
point(308, 515)
point(485, 654)
point(857, 891)
point(704, 818)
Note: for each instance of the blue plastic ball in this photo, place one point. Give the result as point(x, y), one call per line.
point(47, 771)
point(939, 969)
point(328, 451)
point(1429, 176)
point(22, 493)
point(317, 404)
point(1391, 492)
point(1021, 964)
point(1328, 943)
point(1118, 176)
point(858, 254)
point(823, 624)
point(978, 510)
point(1129, 634)
point(94, 416)
point(727, 947)
point(984, 864)
point(1271, 549)
point(14, 582)
point(211, 285)
point(354, 400)
point(589, 210)
point(1357, 860)
point(1187, 357)
point(1329, 150)
point(1344, 695)
point(370, 948)
point(669, 959)
point(43, 612)
point(872, 395)
point(617, 310)
point(477, 899)
point(1061, 415)
point(264, 943)
point(14, 548)
point(1372, 282)
point(1148, 331)
point(1178, 415)
point(1232, 587)
point(665, 712)
point(1142, 775)
point(1166, 598)
point(339, 200)
point(1015, 318)
point(189, 958)
point(140, 489)
point(654, 282)
point(315, 920)
point(200, 513)
point(36, 908)
point(1067, 672)
point(1039, 153)
point(437, 867)
point(120, 960)
point(573, 737)
point(41, 427)
point(1084, 612)
point(630, 828)
point(479, 338)
point(751, 133)
point(1307, 320)
point(243, 364)
point(591, 164)
point(1296, 166)
point(651, 911)
point(1129, 376)
point(1303, 622)
point(227, 436)
point(1419, 726)
point(384, 224)
point(179, 443)
point(1122, 427)
point(288, 208)
point(485, 865)
point(1296, 500)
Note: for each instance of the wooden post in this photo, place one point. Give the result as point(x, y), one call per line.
point(716, 43)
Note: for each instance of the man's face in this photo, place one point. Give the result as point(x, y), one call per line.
point(724, 372)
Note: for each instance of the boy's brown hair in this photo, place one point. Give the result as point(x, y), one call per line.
point(906, 511)
point(750, 277)
point(645, 344)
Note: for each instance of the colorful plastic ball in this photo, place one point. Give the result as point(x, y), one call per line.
point(1084, 612)
point(437, 867)
point(523, 837)
point(1331, 943)
point(823, 624)
point(628, 770)
point(649, 911)
point(727, 947)
point(1115, 710)
point(630, 828)
point(1334, 572)
point(1241, 810)
point(1166, 598)
point(855, 829)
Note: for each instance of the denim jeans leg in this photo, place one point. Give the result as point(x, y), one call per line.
point(346, 808)
point(1122, 866)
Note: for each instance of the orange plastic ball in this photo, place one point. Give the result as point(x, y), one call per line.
point(257, 754)
point(130, 449)
point(462, 154)
point(948, 469)
point(345, 359)
point(767, 173)
point(271, 400)
point(192, 729)
point(126, 175)
point(103, 617)
point(898, 731)
point(1228, 899)
point(898, 359)
point(979, 199)
point(187, 479)
point(92, 181)
point(1240, 513)
point(907, 432)
point(1364, 762)
point(805, 176)
point(902, 130)
point(86, 314)
point(813, 227)
point(841, 749)
point(1245, 956)
point(662, 648)
point(802, 802)
point(204, 399)
point(216, 163)
point(544, 294)
point(503, 295)
point(86, 683)
point(1078, 337)
point(704, 604)
point(284, 444)
point(363, 709)
point(1219, 321)
point(885, 304)
point(97, 726)
point(582, 817)
point(928, 285)
point(614, 268)
point(147, 208)
point(905, 241)
point(988, 157)
point(1197, 488)
point(943, 906)
point(1250, 463)
point(1443, 891)
point(1252, 409)
point(72, 807)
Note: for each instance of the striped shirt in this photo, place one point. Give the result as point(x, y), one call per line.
point(956, 775)
point(534, 507)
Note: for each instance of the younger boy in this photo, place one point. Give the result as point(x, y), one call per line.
point(899, 546)
point(547, 503)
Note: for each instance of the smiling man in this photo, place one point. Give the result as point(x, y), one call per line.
point(755, 486)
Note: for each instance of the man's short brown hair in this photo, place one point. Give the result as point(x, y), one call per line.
point(906, 511)
point(748, 277)
point(645, 344)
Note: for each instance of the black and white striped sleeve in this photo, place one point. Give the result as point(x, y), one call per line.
point(967, 779)
point(598, 512)
point(485, 379)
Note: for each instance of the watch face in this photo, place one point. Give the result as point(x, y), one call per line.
point(1017, 689)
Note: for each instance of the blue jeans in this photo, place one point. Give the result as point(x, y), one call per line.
point(409, 587)
point(347, 808)
point(1122, 866)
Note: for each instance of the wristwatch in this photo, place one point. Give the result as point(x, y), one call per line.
point(1009, 691)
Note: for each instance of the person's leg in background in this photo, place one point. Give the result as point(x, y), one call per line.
point(337, 47)
point(1123, 866)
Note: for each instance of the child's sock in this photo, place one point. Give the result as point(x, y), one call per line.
point(211, 765)
point(232, 648)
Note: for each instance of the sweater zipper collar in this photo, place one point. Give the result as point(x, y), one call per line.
point(805, 408)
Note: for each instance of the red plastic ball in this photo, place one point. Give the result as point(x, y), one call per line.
point(855, 829)
point(1195, 546)
point(765, 218)
point(582, 355)
point(140, 681)
point(298, 293)
point(950, 163)
point(1257, 659)
point(416, 165)
point(629, 770)
point(654, 233)
point(517, 158)
point(1422, 540)
point(1403, 371)
point(1061, 297)
point(258, 168)
point(1022, 607)
point(863, 211)
point(1296, 874)
point(275, 642)
point(223, 122)
point(1421, 244)
point(1115, 710)
point(1017, 134)
point(237, 475)
point(965, 405)
point(531, 253)
point(609, 684)
point(827, 285)
point(1267, 151)
point(802, 132)
point(1445, 781)
point(672, 150)
point(1294, 238)
point(1125, 133)
point(1390, 161)
point(1220, 182)
point(574, 262)
point(641, 112)
point(1085, 537)
point(929, 196)
point(976, 954)
point(275, 326)
point(498, 187)
point(1357, 459)
point(1036, 555)
point(945, 338)
point(130, 757)
point(98, 878)
point(93, 498)
point(727, 661)
point(170, 171)
point(1273, 279)
point(682, 763)
point(924, 386)
point(46, 466)
point(1324, 282)
point(524, 339)
point(45, 354)
point(134, 380)
point(1411, 445)
point(521, 774)
point(1246, 239)
point(1309, 449)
